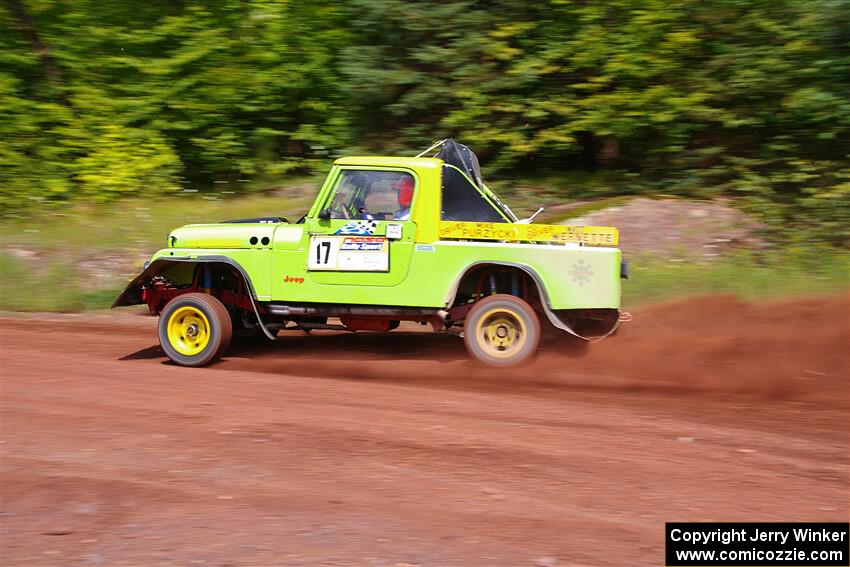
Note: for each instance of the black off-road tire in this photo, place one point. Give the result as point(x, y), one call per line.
point(501, 330)
point(218, 331)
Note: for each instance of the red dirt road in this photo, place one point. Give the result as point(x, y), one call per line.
point(361, 449)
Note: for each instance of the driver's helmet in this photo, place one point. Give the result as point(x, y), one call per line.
point(404, 186)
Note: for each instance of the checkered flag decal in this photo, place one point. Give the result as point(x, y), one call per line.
point(362, 228)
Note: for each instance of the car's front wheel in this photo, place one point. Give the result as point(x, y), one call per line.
point(194, 329)
point(502, 330)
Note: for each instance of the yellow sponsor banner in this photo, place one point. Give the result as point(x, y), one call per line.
point(589, 235)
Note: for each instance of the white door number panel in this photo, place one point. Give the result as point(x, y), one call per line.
point(349, 254)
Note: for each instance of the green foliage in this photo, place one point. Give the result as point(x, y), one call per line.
point(126, 160)
point(756, 277)
point(139, 225)
point(47, 289)
point(73, 260)
point(744, 98)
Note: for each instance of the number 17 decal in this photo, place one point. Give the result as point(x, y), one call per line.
point(326, 246)
point(323, 253)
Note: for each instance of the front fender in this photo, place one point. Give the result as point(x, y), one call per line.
point(132, 294)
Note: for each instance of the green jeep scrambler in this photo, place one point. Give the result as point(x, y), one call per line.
point(388, 239)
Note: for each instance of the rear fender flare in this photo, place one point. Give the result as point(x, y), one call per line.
point(541, 289)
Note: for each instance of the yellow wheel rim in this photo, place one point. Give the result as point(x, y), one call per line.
point(501, 333)
point(188, 331)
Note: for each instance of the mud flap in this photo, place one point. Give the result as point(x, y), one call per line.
point(560, 323)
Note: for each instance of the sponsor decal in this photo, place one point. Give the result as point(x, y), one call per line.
point(362, 243)
point(586, 235)
point(364, 227)
point(581, 272)
point(394, 231)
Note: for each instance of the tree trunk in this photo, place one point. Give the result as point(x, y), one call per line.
point(52, 71)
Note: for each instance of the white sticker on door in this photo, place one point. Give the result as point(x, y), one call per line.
point(394, 231)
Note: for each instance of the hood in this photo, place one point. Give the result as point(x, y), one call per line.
point(230, 234)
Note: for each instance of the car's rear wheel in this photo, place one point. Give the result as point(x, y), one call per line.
point(194, 329)
point(501, 330)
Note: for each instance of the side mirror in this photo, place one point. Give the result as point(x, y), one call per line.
point(325, 214)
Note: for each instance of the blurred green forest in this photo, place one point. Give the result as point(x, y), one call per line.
point(743, 98)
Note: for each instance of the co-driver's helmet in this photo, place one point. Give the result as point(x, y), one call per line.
point(404, 186)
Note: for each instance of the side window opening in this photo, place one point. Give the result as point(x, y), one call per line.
point(373, 195)
point(462, 201)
